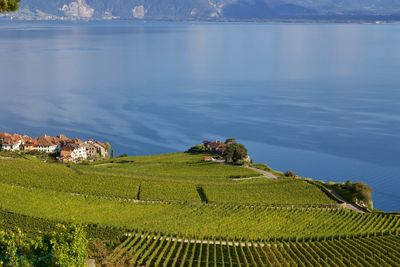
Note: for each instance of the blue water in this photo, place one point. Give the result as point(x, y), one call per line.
point(320, 99)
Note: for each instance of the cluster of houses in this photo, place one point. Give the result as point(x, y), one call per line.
point(66, 149)
point(217, 146)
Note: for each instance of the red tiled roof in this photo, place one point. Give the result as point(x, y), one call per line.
point(46, 140)
point(215, 144)
point(10, 139)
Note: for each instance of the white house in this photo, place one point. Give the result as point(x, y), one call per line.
point(47, 144)
point(10, 142)
point(79, 153)
point(73, 151)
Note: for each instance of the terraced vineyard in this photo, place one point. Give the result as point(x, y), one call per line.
point(182, 211)
point(171, 177)
point(226, 220)
point(144, 249)
point(260, 191)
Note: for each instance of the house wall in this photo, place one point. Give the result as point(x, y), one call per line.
point(13, 147)
point(47, 149)
point(79, 153)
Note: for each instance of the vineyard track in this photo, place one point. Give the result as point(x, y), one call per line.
point(270, 175)
point(347, 204)
point(264, 173)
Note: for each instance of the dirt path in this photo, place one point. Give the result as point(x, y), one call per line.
point(270, 175)
point(346, 204)
point(266, 174)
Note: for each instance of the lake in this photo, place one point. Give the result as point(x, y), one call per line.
point(320, 99)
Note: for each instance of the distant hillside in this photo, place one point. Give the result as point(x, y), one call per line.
point(208, 9)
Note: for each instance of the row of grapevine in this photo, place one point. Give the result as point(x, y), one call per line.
point(256, 222)
point(160, 181)
point(144, 249)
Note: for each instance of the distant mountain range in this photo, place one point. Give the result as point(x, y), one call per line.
point(209, 9)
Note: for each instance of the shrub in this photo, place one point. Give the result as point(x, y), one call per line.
point(290, 174)
point(198, 149)
point(358, 192)
point(9, 5)
point(66, 247)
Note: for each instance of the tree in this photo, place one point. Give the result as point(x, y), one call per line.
point(9, 5)
point(359, 191)
point(235, 153)
point(290, 174)
point(198, 149)
point(107, 146)
point(230, 141)
point(363, 192)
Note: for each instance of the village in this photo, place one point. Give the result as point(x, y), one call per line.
point(61, 147)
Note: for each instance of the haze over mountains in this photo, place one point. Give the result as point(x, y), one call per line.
point(208, 9)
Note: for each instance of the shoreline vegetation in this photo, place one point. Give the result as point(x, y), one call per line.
point(210, 205)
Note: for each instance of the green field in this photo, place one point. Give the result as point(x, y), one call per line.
point(167, 199)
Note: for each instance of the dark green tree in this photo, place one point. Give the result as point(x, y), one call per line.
point(9, 5)
point(107, 146)
point(290, 174)
point(230, 141)
point(235, 153)
point(198, 149)
point(363, 193)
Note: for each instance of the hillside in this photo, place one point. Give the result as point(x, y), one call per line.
point(176, 209)
point(210, 10)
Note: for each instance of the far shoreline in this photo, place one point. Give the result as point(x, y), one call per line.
point(301, 21)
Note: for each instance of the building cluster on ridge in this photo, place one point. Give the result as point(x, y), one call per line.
point(66, 149)
point(215, 146)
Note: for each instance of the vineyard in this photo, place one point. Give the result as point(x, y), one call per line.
point(224, 220)
point(177, 210)
point(145, 249)
point(172, 177)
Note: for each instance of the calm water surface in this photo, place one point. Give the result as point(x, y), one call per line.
point(320, 99)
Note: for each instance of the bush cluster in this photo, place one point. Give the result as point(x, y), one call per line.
point(9, 5)
point(360, 191)
point(290, 174)
point(64, 247)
